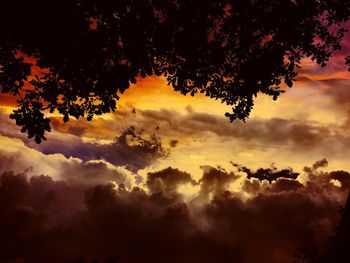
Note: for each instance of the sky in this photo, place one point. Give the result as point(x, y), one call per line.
point(172, 169)
point(308, 122)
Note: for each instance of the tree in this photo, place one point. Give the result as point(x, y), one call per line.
point(91, 51)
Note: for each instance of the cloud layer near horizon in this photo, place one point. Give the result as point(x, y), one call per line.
point(192, 139)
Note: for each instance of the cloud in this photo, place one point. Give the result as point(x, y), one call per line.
point(15, 156)
point(296, 134)
point(167, 180)
point(339, 91)
point(335, 87)
point(131, 148)
point(269, 174)
point(97, 140)
point(215, 181)
point(69, 218)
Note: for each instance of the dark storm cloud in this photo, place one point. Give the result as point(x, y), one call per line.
point(272, 226)
point(98, 221)
point(130, 226)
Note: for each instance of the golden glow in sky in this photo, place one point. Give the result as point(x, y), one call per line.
point(305, 124)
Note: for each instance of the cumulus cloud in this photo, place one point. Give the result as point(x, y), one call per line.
point(261, 221)
point(15, 156)
point(167, 180)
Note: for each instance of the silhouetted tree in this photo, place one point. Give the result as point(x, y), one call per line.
point(90, 51)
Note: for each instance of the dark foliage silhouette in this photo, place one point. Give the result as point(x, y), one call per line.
point(91, 51)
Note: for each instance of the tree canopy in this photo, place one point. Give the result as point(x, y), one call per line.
point(92, 50)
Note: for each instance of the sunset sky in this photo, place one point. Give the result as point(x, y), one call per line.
point(308, 122)
point(194, 188)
